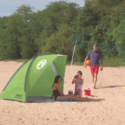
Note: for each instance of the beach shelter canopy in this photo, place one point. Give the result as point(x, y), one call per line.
point(34, 78)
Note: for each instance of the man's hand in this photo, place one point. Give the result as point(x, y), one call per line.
point(101, 64)
point(85, 65)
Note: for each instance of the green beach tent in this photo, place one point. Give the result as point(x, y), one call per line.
point(33, 80)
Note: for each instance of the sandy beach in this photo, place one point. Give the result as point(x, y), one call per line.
point(108, 111)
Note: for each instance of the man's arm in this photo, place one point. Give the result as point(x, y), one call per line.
point(101, 60)
point(87, 57)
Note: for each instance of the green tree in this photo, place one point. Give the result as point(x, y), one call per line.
point(28, 31)
point(61, 42)
point(10, 39)
point(52, 17)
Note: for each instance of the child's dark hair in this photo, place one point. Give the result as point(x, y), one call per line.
point(56, 79)
point(80, 72)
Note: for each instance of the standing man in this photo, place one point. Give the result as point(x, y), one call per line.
point(95, 56)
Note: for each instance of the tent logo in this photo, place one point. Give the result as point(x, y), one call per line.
point(18, 96)
point(41, 64)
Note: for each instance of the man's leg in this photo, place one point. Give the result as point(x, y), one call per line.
point(95, 80)
point(95, 75)
point(92, 72)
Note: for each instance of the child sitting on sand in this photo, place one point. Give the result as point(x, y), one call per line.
point(78, 84)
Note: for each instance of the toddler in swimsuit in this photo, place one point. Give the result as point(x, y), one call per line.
point(78, 84)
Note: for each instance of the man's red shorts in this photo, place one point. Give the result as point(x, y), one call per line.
point(94, 69)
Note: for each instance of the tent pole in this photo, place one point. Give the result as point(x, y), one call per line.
point(74, 52)
point(73, 56)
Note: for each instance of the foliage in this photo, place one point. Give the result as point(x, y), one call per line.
point(25, 33)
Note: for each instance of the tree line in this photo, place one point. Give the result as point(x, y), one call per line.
point(26, 33)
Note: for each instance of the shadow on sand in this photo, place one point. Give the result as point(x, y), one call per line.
point(49, 101)
point(112, 86)
point(96, 100)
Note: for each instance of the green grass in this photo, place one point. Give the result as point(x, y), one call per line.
point(108, 62)
point(113, 62)
point(75, 63)
point(16, 60)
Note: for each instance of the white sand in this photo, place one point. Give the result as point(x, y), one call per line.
point(110, 111)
